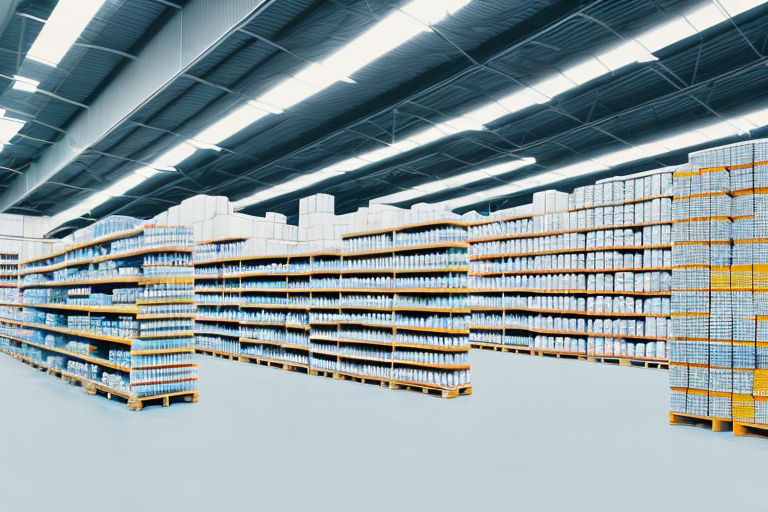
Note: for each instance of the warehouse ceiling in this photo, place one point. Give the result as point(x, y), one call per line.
point(475, 56)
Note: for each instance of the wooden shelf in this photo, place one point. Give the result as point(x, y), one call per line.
point(567, 292)
point(383, 231)
point(95, 360)
point(276, 343)
point(570, 271)
point(638, 248)
point(92, 309)
point(566, 312)
point(96, 241)
point(577, 334)
point(391, 250)
point(88, 282)
point(80, 334)
point(99, 259)
point(515, 236)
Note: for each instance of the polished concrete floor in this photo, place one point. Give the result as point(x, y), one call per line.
point(537, 435)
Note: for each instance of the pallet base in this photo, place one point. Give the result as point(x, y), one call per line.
point(716, 424)
point(618, 361)
point(294, 367)
point(244, 358)
point(403, 386)
point(94, 388)
point(750, 430)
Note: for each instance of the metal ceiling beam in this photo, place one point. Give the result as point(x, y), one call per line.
point(189, 36)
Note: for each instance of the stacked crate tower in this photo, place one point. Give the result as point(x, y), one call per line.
point(719, 356)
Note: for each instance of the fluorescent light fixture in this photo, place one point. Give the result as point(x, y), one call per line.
point(588, 70)
point(174, 156)
point(637, 50)
point(553, 86)
point(693, 137)
point(118, 189)
point(706, 17)
point(202, 145)
point(230, 124)
point(394, 30)
point(24, 84)
point(667, 34)
point(454, 181)
point(431, 12)
point(625, 54)
point(9, 128)
point(64, 26)
point(736, 7)
point(266, 108)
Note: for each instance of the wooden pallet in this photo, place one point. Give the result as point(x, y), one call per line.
point(632, 363)
point(559, 355)
point(404, 386)
point(324, 373)
point(750, 430)
point(618, 361)
point(514, 349)
point(94, 388)
point(137, 404)
point(716, 424)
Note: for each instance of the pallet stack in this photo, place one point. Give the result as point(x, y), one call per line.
point(719, 357)
point(114, 312)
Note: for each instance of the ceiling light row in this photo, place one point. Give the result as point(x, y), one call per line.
point(637, 50)
point(694, 137)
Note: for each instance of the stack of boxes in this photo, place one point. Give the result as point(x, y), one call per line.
point(719, 357)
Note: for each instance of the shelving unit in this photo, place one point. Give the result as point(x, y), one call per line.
point(10, 300)
point(114, 313)
point(312, 312)
point(403, 320)
point(594, 265)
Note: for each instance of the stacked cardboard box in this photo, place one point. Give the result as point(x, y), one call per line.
point(721, 333)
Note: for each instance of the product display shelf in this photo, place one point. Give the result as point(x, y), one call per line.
point(584, 281)
point(402, 319)
point(114, 335)
point(10, 300)
point(276, 336)
point(217, 301)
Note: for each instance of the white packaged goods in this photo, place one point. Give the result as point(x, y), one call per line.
point(611, 235)
point(719, 283)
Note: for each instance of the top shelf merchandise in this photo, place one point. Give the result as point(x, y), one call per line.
point(115, 312)
point(585, 273)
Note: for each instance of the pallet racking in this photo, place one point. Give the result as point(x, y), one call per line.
point(581, 275)
point(319, 312)
point(113, 313)
point(10, 303)
point(403, 320)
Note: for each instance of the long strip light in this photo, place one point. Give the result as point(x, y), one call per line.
point(394, 30)
point(64, 26)
point(164, 162)
point(639, 49)
point(8, 127)
point(694, 137)
point(454, 181)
